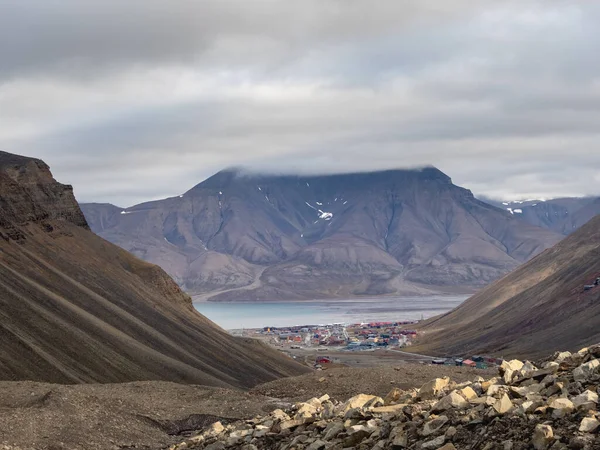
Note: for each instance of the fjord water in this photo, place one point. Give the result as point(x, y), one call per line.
point(281, 314)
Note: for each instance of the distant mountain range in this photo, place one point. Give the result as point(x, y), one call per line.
point(240, 236)
point(77, 309)
point(537, 309)
point(562, 215)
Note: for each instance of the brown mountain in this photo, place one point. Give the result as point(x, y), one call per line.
point(76, 308)
point(535, 310)
point(240, 236)
point(562, 215)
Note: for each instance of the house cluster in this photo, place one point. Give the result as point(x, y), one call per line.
point(379, 334)
point(358, 336)
point(475, 361)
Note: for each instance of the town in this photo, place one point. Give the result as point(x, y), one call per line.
point(311, 342)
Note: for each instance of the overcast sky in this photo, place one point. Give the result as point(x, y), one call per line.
point(131, 100)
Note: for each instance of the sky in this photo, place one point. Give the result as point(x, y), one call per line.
point(136, 100)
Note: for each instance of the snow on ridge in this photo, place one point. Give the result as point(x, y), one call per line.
point(325, 215)
point(518, 211)
point(311, 206)
point(319, 203)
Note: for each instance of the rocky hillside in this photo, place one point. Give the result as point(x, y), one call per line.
point(75, 308)
point(537, 308)
point(237, 236)
point(562, 215)
point(526, 407)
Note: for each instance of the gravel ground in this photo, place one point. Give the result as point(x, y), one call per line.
point(342, 383)
point(154, 415)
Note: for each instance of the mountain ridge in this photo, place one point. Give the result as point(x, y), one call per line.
point(263, 237)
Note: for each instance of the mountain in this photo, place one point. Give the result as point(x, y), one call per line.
point(537, 309)
point(240, 236)
point(562, 215)
point(76, 308)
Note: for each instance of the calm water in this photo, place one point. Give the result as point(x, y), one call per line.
point(281, 314)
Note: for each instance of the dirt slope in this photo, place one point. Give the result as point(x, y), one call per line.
point(75, 308)
point(538, 308)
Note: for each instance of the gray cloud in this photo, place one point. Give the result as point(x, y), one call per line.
point(136, 100)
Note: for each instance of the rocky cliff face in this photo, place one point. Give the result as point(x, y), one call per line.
point(76, 308)
point(30, 194)
point(239, 236)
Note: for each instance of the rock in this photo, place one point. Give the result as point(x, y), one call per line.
point(289, 424)
point(317, 445)
point(400, 440)
point(434, 444)
point(448, 446)
point(388, 409)
point(279, 414)
point(485, 385)
point(510, 369)
point(503, 405)
point(587, 399)
point(215, 429)
point(374, 403)
point(542, 437)
point(358, 401)
point(452, 400)
point(355, 438)
point(589, 425)
point(586, 370)
point(431, 389)
point(393, 396)
point(332, 430)
point(468, 393)
point(561, 356)
point(434, 425)
point(561, 407)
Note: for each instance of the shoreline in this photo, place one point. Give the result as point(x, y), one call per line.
point(334, 300)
